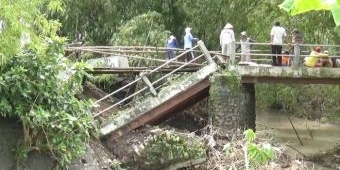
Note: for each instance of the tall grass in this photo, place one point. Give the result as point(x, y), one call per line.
point(299, 100)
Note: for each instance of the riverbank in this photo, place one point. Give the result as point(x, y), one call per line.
point(223, 150)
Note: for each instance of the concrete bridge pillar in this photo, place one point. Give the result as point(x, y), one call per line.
point(231, 106)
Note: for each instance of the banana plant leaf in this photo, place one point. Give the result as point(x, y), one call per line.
point(294, 7)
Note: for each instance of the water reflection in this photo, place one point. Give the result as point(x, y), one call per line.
point(316, 137)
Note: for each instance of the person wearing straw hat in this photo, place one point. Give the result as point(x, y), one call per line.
point(171, 45)
point(227, 36)
point(245, 47)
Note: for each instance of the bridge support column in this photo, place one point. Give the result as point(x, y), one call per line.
point(230, 107)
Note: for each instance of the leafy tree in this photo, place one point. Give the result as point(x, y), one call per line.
point(146, 29)
point(22, 18)
point(33, 87)
point(99, 20)
point(93, 21)
point(143, 30)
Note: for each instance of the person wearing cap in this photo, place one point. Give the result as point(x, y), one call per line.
point(171, 45)
point(277, 35)
point(297, 37)
point(245, 47)
point(188, 41)
point(226, 38)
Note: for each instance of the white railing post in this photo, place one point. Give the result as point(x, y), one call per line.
point(147, 82)
point(205, 51)
point(232, 53)
point(296, 60)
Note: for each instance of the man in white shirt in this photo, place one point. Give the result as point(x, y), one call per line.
point(226, 38)
point(277, 34)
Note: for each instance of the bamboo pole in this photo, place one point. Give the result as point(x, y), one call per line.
point(128, 49)
point(151, 59)
point(297, 135)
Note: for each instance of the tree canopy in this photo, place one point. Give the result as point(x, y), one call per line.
point(99, 20)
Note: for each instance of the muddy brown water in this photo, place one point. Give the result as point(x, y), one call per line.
point(316, 137)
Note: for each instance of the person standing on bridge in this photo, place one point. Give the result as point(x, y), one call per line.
point(188, 41)
point(297, 39)
point(245, 47)
point(171, 45)
point(277, 35)
point(227, 36)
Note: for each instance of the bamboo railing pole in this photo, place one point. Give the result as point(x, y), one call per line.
point(297, 135)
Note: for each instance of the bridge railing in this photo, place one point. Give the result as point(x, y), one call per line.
point(138, 56)
point(151, 86)
point(297, 52)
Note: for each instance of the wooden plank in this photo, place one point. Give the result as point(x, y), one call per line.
point(165, 108)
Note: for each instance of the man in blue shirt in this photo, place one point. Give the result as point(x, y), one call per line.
point(188, 39)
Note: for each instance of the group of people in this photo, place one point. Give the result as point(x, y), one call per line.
point(280, 57)
point(227, 36)
point(278, 34)
point(317, 57)
point(172, 44)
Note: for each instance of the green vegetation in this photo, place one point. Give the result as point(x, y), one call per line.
point(168, 148)
point(145, 29)
point(98, 20)
point(233, 78)
point(300, 100)
point(104, 81)
point(248, 153)
point(34, 86)
point(258, 155)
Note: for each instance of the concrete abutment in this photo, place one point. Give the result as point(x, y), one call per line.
point(231, 106)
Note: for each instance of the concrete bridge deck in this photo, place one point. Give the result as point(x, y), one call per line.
point(290, 75)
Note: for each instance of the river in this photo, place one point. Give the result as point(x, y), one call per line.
point(315, 136)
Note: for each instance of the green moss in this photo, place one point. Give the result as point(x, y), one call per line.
point(305, 72)
point(264, 71)
point(285, 73)
point(326, 73)
point(233, 79)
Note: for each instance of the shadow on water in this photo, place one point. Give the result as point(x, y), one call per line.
point(317, 138)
